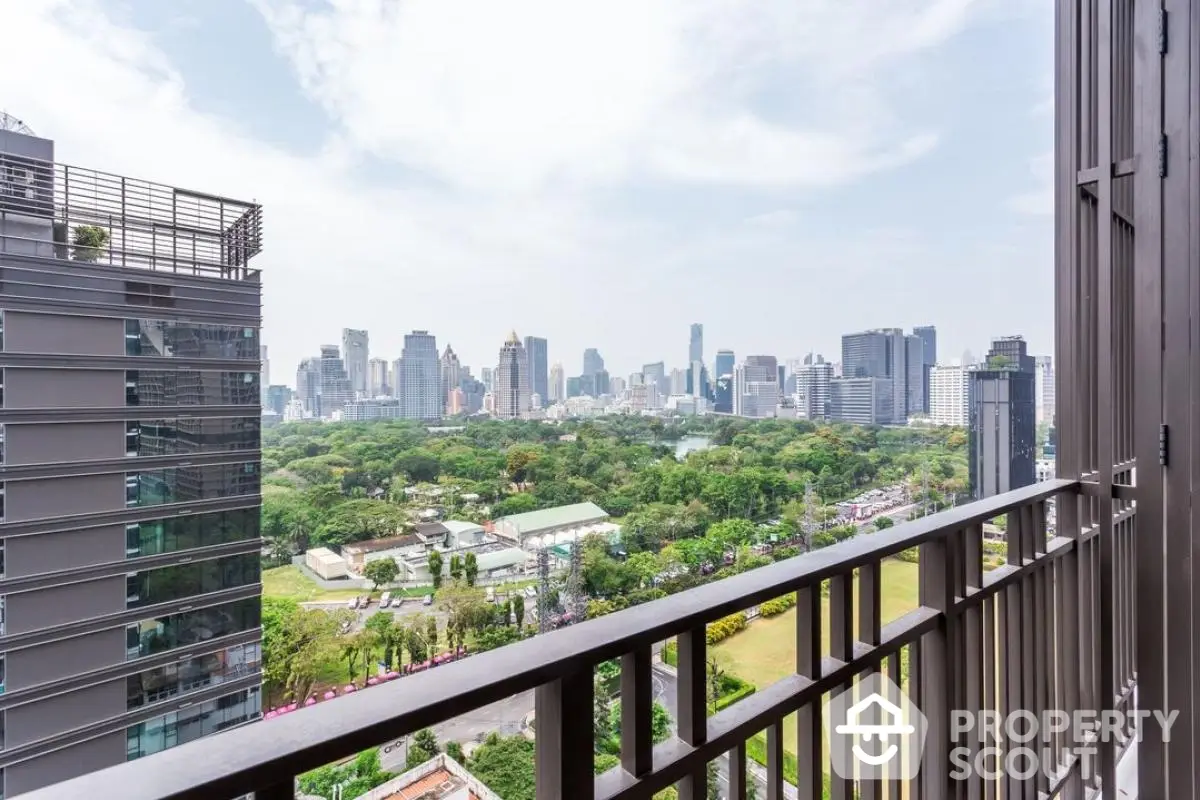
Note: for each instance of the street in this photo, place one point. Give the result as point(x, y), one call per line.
point(408, 608)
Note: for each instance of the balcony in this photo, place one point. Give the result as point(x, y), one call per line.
point(1052, 628)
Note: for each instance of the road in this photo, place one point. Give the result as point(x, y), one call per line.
point(503, 717)
point(408, 608)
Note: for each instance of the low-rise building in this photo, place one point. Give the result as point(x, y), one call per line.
point(325, 563)
point(540, 524)
point(395, 547)
point(439, 778)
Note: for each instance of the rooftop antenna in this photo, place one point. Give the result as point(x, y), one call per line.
point(10, 123)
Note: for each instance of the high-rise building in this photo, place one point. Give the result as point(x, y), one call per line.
point(862, 401)
point(679, 382)
point(418, 378)
point(592, 361)
point(616, 387)
point(881, 353)
point(557, 389)
point(308, 386)
point(929, 356)
point(264, 376)
point(949, 395)
point(380, 378)
point(130, 511)
point(487, 376)
point(762, 369)
point(1045, 389)
point(813, 382)
point(723, 395)
point(916, 376)
point(335, 385)
point(356, 355)
point(698, 380)
point(656, 373)
point(539, 377)
point(1003, 419)
point(724, 363)
point(511, 393)
point(696, 344)
point(451, 374)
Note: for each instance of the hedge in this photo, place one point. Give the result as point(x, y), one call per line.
point(741, 693)
point(725, 627)
point(771, 608)
point(670, 654)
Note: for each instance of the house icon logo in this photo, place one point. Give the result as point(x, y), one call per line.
point(875, 732)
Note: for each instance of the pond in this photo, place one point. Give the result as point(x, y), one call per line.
point(690, 444)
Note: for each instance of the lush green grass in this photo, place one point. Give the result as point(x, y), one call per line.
point(766, 651)
point(290, 582)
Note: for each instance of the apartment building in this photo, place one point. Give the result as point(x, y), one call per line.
point(130, 515)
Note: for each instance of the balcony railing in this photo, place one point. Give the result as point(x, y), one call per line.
point(1025, 635)
point(44, 205)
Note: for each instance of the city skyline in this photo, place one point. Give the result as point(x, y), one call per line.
point(867, 194)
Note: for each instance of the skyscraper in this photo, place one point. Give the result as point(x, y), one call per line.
point(451, 372)
point(539, 378)
point(308, 386)
point(656, 373)
point(813, 382)
point(1003, 420)
point(557, 388)
point(929, 353)
point(511, 382)
point(355, 355)
point(950, 395)
point(487, 378)
point(696, 344)
point(882, 353)
point(724, 364)
point(130, 517)
point(1045, 389)
point(418, 378)
point(592, 362)
point(264, 372)
point(380, 384)
point(335, 385)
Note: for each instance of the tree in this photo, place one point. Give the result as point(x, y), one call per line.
point(716, 680)
point(297, 642)
point(424, 746)
point(90, 241)
point(519, 610)
point(456, 567)
point(455, 751)
point(660, 721)
point(506, 766)
point(435, 568)
point(431, 633)
point(356, 778)
point(388, 634)
point(470, 568)
point(882, 522)
point(381, 571)
point(602, 729)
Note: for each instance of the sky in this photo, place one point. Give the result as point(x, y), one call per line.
point(601, 173)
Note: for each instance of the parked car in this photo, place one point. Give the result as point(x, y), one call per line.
point(352, 603)
point(364, 601)
point(428, 600)
point(385, 600)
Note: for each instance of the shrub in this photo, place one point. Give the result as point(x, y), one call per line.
point(911, 555)
point(772, 608)
point(740, 693)
point(725, 627)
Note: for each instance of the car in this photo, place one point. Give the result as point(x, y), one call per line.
point(396, 601)
point(428, 600)
point(364, 601)
point(385, 600)
point(352, 603)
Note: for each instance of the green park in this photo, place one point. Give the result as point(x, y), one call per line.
point(756, 493)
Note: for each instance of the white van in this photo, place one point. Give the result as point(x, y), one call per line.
point(383, 601)
point(491, 594)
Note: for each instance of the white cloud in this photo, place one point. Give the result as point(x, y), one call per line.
point(523, 94)
point(525, 112)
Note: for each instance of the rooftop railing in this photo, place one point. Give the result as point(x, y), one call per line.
point(1024, 635)
point(59, 211)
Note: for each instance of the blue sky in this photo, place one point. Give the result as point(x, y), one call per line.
point(601, 174)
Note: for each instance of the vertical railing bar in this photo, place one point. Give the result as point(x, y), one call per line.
point(841, 645)
point(775, 761)
point(1040, 621)
point(973, 654)
point(637, 742)
point(870, 624)
point(692, 704)
point(985, 735)
point(894, 790)
point(936, 576)
point(565, 747)
point(1013, 640)
point(738, 776)
point(810, 782)
point(1029, 625)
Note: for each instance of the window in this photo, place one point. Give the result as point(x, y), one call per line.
point(190, 628)
point(190, 531)
point(1, 673)
point(191, 387)
point(132, 431)
point(1, 501)
point(1, 558)
point(178, 581)
point(152, 487)
point(197, 672)
point(1, 329)
point(1, 442)
point(177, 338)
point(180, 727)
point(1, 615)
point(161, 437)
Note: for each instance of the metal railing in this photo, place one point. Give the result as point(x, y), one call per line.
point(1021, 636)
point(59, 211)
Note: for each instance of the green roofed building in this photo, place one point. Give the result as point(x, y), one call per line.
point(552, 525)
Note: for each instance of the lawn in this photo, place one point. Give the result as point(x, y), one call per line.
point(290, 582)
point(766, 650)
